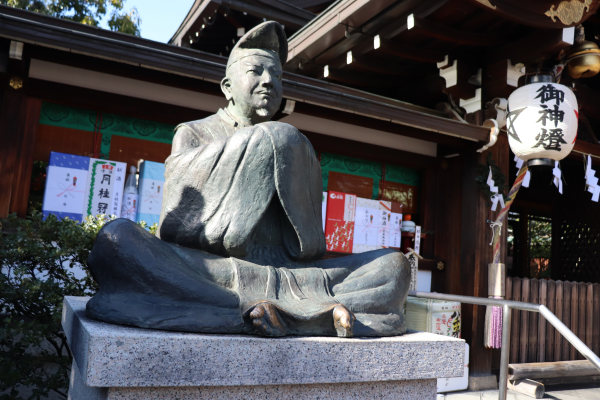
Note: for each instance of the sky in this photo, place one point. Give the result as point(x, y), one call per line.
point(160, 18)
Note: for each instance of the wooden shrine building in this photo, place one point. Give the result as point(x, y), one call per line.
point(393, 94)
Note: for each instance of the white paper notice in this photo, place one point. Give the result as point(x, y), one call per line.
point(418, 239)
point(65, 189)
point(395, 233)
point(366, 226)
point(105, 187)
point(152, 196)
point(383, 233)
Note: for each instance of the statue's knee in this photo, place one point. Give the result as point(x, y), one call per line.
point(399, 265)
point(114, 235)
point(116, 230)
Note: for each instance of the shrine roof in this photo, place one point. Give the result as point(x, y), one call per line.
point(77, 38)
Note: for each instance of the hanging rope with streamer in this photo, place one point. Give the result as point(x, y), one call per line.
point(492, 337)
point(504, 212)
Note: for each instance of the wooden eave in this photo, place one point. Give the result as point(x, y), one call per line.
point(275, 10)
point(533, 12)
point(73, 37)
point(349, 21)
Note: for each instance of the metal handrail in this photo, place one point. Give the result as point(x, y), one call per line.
point(507, 306)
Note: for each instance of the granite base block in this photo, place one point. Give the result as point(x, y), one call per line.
point(422, 389)
point(117, 362)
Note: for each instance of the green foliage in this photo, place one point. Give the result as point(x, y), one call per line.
point(37, 186)
point(41, 262)
point(540, 238)
point(88, 12)
point(540, 247)
point(483, 171)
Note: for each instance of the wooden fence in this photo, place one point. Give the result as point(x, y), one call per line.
point(576, 304)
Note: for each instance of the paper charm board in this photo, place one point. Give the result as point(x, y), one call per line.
point(104, 190)
point(339, 227)
point(66, 180)
point(372, 225)
point(151, 188)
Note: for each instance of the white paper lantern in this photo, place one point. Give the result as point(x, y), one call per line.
point(542, 121)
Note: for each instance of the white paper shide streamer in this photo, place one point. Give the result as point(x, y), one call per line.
point(557, 180)
point(527, 177)
point(591, 182)
point(494, 189)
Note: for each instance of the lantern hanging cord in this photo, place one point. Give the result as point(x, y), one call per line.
point(504, 212)
point(585, 154)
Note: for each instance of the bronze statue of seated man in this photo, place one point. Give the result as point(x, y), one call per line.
point(241, 231)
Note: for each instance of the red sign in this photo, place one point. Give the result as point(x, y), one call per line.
point(339, 226)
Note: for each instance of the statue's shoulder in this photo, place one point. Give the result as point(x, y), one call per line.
point(197, 133)
point(200, 126)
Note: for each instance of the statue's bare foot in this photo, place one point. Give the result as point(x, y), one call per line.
point(266, 320)
point(343, 321)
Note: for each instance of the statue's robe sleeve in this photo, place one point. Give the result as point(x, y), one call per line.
point(217, 193)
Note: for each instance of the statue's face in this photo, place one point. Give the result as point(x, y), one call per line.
point(253, 85)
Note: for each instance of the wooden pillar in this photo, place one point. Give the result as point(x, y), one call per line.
point(19, 119)
point(447, 226)
point(428, 211)
point(476, 252)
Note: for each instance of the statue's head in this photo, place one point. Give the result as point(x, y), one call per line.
point(252, 84)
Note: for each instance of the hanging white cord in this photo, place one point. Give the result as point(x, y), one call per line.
point(495, 225)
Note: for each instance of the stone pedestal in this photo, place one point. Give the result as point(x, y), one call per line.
point(117, 362)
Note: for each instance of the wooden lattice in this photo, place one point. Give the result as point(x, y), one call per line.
point(576, 235)
point(576, 304)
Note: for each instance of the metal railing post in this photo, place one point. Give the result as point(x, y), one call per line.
point(507, 306)
point(505, 352)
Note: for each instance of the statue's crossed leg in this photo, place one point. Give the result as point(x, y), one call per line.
point(267, 320)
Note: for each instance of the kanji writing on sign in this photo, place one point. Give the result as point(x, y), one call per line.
point(104, 193)
point(549, 93)
point(105, 177)
point(550, 139)
point(555, 115)
point(102, 208)
point(456, 324)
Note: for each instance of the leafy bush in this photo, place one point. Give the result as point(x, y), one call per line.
point(41, 262)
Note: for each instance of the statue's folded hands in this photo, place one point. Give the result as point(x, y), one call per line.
point(240, 234)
